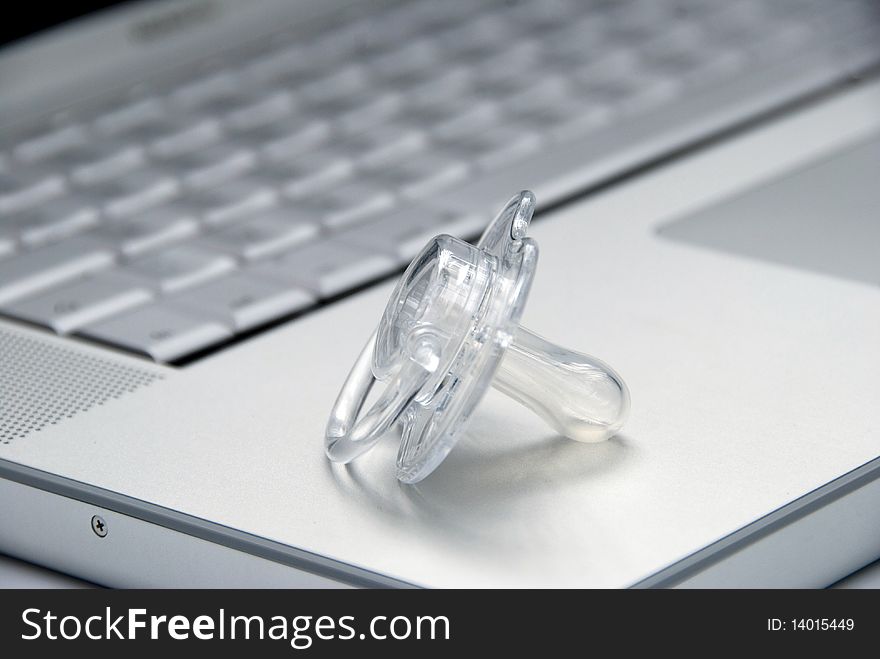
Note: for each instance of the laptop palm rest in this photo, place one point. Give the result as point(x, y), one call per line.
point(824, 218)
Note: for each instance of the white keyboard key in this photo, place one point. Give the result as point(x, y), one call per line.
point(403, 234)
point(99, 161)
point(546, 15)
point(479, 37)
point(406, 65)
point(427, 116)
point(154, 228)
point(496, 146)
point(159, 331)
point(7, 246)
point(514, 60)
point(70, 306)
point(242, 301)
point(24, 189)
point(52, 221)
point(439, 89)
point(721, 65)
point(353, 41)
point(49, 140)
point(180, 267)
point(384, 144)
point(652, 93)
point(30, 272)
point(271, 232)
point(234, 200)
point(611, 66)
point(310, 172)
point(349, 204)
point(130, 115)
point(424, 174)
point(360, 111)
point(328, 267)
point(135, 192)
point(790, 38)
point(213, 88)
point(289, 137)
point(473, 118)
point(428, 16)
point(269, 66)
point(296, 78)
point(344, 82)
point(560, 116)
point(174, 137)
point(261, 111)
point(214, 165)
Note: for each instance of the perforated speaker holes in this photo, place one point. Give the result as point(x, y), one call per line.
point(42, 383)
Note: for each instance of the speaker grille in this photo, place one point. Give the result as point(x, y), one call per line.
point(43, 383)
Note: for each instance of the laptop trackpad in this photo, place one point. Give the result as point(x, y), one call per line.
point(825, 217)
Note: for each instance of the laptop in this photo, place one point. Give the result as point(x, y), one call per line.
point(205, 204)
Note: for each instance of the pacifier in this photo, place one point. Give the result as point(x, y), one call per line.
point(451, 328)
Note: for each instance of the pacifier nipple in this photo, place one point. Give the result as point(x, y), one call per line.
point(579, 396)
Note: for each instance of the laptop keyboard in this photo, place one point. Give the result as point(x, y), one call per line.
point(188, 211)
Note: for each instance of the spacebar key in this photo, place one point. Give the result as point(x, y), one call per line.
point(45, 267)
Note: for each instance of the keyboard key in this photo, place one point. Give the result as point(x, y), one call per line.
point(24, 189)
point(343, 82)
point(214, 165)
point(219, 88)
point(405, 66)
point(7, 246)
point(180, 267)
point(328, 267)
point(260, 112)
point(154, 228)
point(159, 331)
point(422, 175)
point(384, 144)
point(442, 89)
point(496, 146)
point(99, 161)
point(481, 36)
point(48, 140)
point(473, 118)
point(294, 79)
point(243, 301)
point(547, 15)
point(269, 66)
point(349, 204)
point(175, 137)
point(619, 65)
point(71, 306)
point(130, 115)
point(53, 221)
point(288, 138)
point(30, 272)
point(135, 192)
point(234, 200)
point(513, 61)
point(558, 113)
point(271, 232)
point(359, 112)
point(401, 235)
point(311, 172)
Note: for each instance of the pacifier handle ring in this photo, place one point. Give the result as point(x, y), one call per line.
point(349, 434)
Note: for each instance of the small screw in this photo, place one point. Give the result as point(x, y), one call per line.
point(99, 526)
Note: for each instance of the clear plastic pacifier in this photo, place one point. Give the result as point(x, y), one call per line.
point(450, 329)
